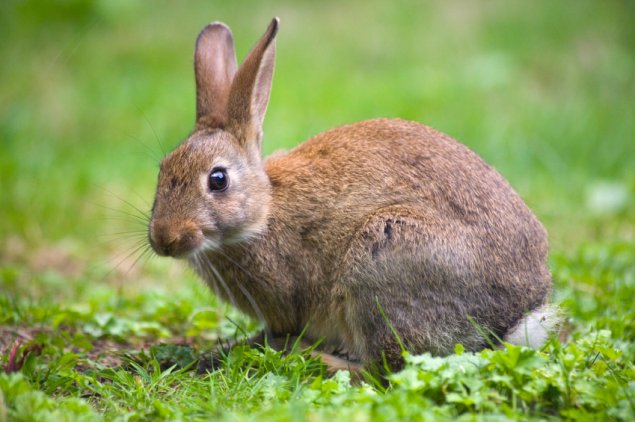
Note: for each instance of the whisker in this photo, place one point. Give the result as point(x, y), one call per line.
point(146, 152)
point(142, 198)
point(147, 250)
point(156, 137)
point(139, 235)
point(135, 249)
point(71, 47)
point(197, 262)
point(216, 275)
point(200, 267)
point(243, 269)
point(245, 292)
point(149, 152)
point(143, 218)
point(127, 218)
point(250, 299)
point(130, 204)
point(135, 231)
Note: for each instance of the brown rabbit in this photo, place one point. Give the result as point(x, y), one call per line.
point(364, 237)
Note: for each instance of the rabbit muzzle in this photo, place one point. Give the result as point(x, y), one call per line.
point(175, 240)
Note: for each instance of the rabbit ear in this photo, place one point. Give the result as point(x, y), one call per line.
point(215, 67)
point(250, 89)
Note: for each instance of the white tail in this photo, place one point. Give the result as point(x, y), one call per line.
point(535, 328)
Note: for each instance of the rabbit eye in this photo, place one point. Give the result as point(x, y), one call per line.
point(218, 180)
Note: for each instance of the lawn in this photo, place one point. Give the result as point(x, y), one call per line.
point(94, 93)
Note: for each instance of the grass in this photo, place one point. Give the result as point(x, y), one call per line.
point(92, 93)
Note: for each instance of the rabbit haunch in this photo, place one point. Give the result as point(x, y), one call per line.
point(376, 224)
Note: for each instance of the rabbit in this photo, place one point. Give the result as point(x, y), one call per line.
point(371, 239)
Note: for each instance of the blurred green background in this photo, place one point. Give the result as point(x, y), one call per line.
point(92, 93)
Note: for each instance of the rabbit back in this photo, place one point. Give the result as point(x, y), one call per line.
point(326, 187)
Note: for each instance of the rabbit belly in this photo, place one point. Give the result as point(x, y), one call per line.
point(432, 281)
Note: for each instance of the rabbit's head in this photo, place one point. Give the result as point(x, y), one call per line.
point(212, 189)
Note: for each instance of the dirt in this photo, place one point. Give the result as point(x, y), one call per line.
point(104, 352)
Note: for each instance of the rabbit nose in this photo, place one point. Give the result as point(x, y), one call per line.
point(167, 240)
point(161, 238)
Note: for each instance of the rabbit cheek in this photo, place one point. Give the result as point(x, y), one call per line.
point(236, 220)
point(241, 211)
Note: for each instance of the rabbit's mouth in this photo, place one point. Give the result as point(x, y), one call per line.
point(217, 238)
point(212, 241)
point(175, 240)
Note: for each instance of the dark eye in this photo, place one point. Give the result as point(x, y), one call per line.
point(218, 180)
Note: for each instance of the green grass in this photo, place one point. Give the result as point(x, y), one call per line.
point(92, 93)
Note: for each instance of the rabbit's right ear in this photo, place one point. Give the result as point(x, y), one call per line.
point(215, 67)
point(251, 87)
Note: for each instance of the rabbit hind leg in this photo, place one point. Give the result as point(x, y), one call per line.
point(398, 288)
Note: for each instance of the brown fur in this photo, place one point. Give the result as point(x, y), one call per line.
point(383, 215)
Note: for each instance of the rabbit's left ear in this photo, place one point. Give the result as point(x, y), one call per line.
point(215, 67)
point(249, 93)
